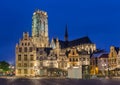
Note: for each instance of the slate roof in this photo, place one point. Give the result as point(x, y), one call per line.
point(83, 40)
point(104, 56)
point(100, 55)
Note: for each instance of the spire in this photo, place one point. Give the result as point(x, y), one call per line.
point(66, 33)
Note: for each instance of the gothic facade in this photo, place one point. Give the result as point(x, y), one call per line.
point(36, 56)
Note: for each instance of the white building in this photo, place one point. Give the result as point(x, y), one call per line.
point(75, 72)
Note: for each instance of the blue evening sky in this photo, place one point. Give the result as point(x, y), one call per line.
point(98, 19)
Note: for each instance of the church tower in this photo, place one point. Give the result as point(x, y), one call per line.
point(40, 29)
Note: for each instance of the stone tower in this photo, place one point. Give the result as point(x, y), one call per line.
point(40, 29)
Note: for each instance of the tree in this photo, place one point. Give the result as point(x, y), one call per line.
point(4, 66)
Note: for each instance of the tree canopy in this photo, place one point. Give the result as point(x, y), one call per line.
point(4, 66)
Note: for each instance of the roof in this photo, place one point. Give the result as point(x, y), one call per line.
point(100, 55)
point(96, 55)
point(104, 56)
point(83, 40)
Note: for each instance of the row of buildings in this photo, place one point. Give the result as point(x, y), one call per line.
point(105, 63)
point(36, 55)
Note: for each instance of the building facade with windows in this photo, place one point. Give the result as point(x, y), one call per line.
point(25, 56)
point(35, 55)
point(113, 57)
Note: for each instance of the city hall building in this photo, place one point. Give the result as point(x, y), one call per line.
point(36, 56)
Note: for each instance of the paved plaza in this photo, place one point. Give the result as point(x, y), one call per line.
point(53, 81)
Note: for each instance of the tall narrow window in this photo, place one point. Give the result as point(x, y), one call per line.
point(25, 71)
point(20, 49)
point(30, 49)
point(70, 60)
point(28, 44)
point(25, 57)
point(19, 57)
point(25, 49)
point(76, 59)
point(31, 57)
